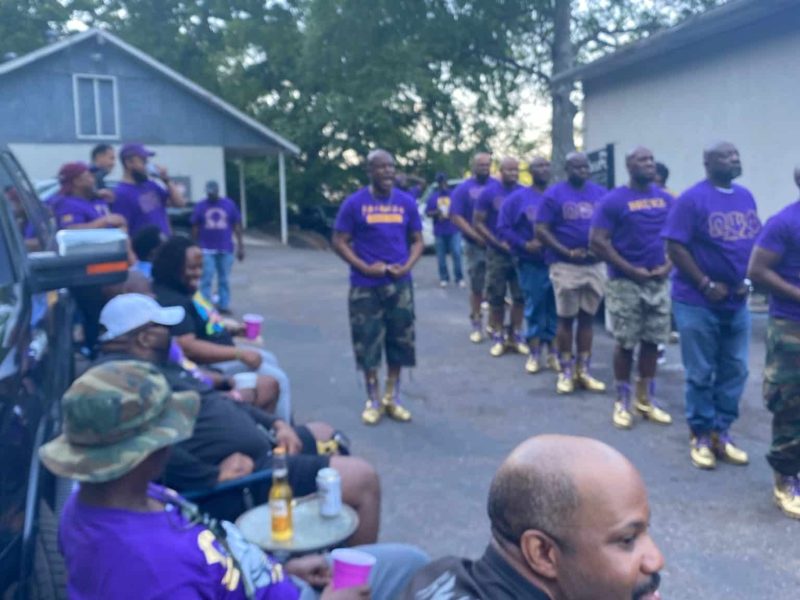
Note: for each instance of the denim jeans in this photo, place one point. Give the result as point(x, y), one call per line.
point(449, 243)
point(714, 347)
point(540, 302)
point(219, 263)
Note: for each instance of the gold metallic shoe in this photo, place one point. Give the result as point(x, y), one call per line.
point(787, 495)
point(552, 362)
point(701, 454)
point(587, 382)
point(392, 408)
point(725, 449)
point(371, 414)
point(646, 407)
point(622, 417)
point(476, 336)
point(533, 364)
point(518, 344)
point(565, 384)
point(498, 345)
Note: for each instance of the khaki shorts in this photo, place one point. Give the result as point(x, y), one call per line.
point(577, 287)
point(639, 312)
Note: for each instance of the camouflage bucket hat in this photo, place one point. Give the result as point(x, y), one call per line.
point(116, 415)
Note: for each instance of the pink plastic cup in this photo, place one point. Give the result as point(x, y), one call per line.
point(252, 326)
point(351, 568)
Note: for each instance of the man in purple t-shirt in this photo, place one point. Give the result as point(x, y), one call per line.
point(371, 234)
point(77, 206)
point(214, 222)
point(139, 199)
point(516, 227)
point(775, 266)
point(464, 197)
point(710, 233)
point(501, 276)
point(448, 237)
point(562, 224)
point(626, 233)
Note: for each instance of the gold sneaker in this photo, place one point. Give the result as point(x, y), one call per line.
point(476, 335)
point(622, 417)
point(646, 407)
point(587, 382)
point(552, 362)
point(394, 410)
point(371, 414)
point(565, 384)
point(727, 450)
point(533, 364)
point(498, 345)
point(701, 454)
point(518, 344)
point(787, 495)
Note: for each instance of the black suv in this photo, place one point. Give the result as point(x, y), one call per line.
point(36, 365)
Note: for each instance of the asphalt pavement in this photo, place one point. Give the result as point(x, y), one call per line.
point(722, 536)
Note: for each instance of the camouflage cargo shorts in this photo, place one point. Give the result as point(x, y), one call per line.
point(782, 394)
point(476, 267)
point(639, 312)
point(501, 275)
point(382, 318)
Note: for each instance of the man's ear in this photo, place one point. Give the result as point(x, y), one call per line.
point(540, 553)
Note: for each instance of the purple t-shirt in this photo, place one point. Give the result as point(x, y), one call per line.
point(491, 200)
point(114, 553)
point(516, 221)
point(142, 204)
point(215, 220)
point(781, 235)
point(719, 229)
point(465, 196)
point(635, 220)
point(441, 201)
point(71, 210)
point(380, 231)
point(569, 212)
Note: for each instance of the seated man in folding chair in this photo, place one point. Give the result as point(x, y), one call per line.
point(233, 439)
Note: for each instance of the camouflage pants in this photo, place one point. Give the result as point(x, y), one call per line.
point(782, 394)
point(381, 318)
point(639, 312)
point(476, 267)
point(501, 275)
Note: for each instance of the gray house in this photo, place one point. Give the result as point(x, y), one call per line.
point(57, 102)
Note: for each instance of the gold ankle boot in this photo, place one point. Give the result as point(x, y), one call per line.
point(390, 404)
point(584, 379)
point(646, 407)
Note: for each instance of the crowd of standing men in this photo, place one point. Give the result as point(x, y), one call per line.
point(554, 251)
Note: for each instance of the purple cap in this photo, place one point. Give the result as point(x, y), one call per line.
point(129, 150)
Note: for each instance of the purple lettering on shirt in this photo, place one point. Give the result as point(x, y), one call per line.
point(781, 235)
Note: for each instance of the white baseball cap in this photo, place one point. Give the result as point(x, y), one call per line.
point(127, 312)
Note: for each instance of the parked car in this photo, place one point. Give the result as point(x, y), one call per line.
point(315, 217)
point(36, 365)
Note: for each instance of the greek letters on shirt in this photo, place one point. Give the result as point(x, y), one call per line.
point(575, 211)
point(734, 225)
point(646, 204)
point(382, 214)
point(149, 201)
point(215, 218)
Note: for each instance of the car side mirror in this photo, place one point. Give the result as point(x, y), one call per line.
point(83, 257)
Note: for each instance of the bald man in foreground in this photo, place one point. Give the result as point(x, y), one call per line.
point(569, 519)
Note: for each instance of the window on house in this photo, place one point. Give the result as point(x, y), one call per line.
point(96, 106)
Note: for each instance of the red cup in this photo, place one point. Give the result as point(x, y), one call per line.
point(252, 326)
point(351, 568)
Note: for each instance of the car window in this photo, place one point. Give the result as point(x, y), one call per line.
point(33, 220)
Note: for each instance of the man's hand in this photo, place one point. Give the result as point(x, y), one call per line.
point(377, 269)
point(353, 593)
point(250, 358)
point(397, 271)
point(312, 568)
point(106, 194)
point(235, 466)
point(640, 275)
point(742, 290)
point(578, 253)
point(162, 173)
point(115, 220)
point(533, 246)
point(716, 292)
point(662, 272)
point(505, 246)
point(287, 437)
point(240, 253)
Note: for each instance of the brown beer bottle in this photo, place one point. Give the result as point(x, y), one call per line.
point(280, 498)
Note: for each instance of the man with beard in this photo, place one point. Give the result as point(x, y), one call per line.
point(562, 224)
point(372, 234)
point(569, 521)
point(516, 227)
point(501, 276)
point(710, 233)
point(141, 201)
point(464, 198)
point(77, 206)
point(626, 234)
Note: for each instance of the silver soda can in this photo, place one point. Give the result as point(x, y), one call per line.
point(329, 487)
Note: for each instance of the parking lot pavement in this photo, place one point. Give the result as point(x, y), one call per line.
point(721, 535)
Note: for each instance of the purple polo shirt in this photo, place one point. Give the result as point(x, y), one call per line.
point(516, 221)
point(72, 210)
point(491, 200)
point(465, 196)
point(781, 235)
point(569, 212)
point(380, 230)
point(115, 553)
point(215, 221)
point(442, 202)
point(719, 229)
point(142, 204)
point(635, 220)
